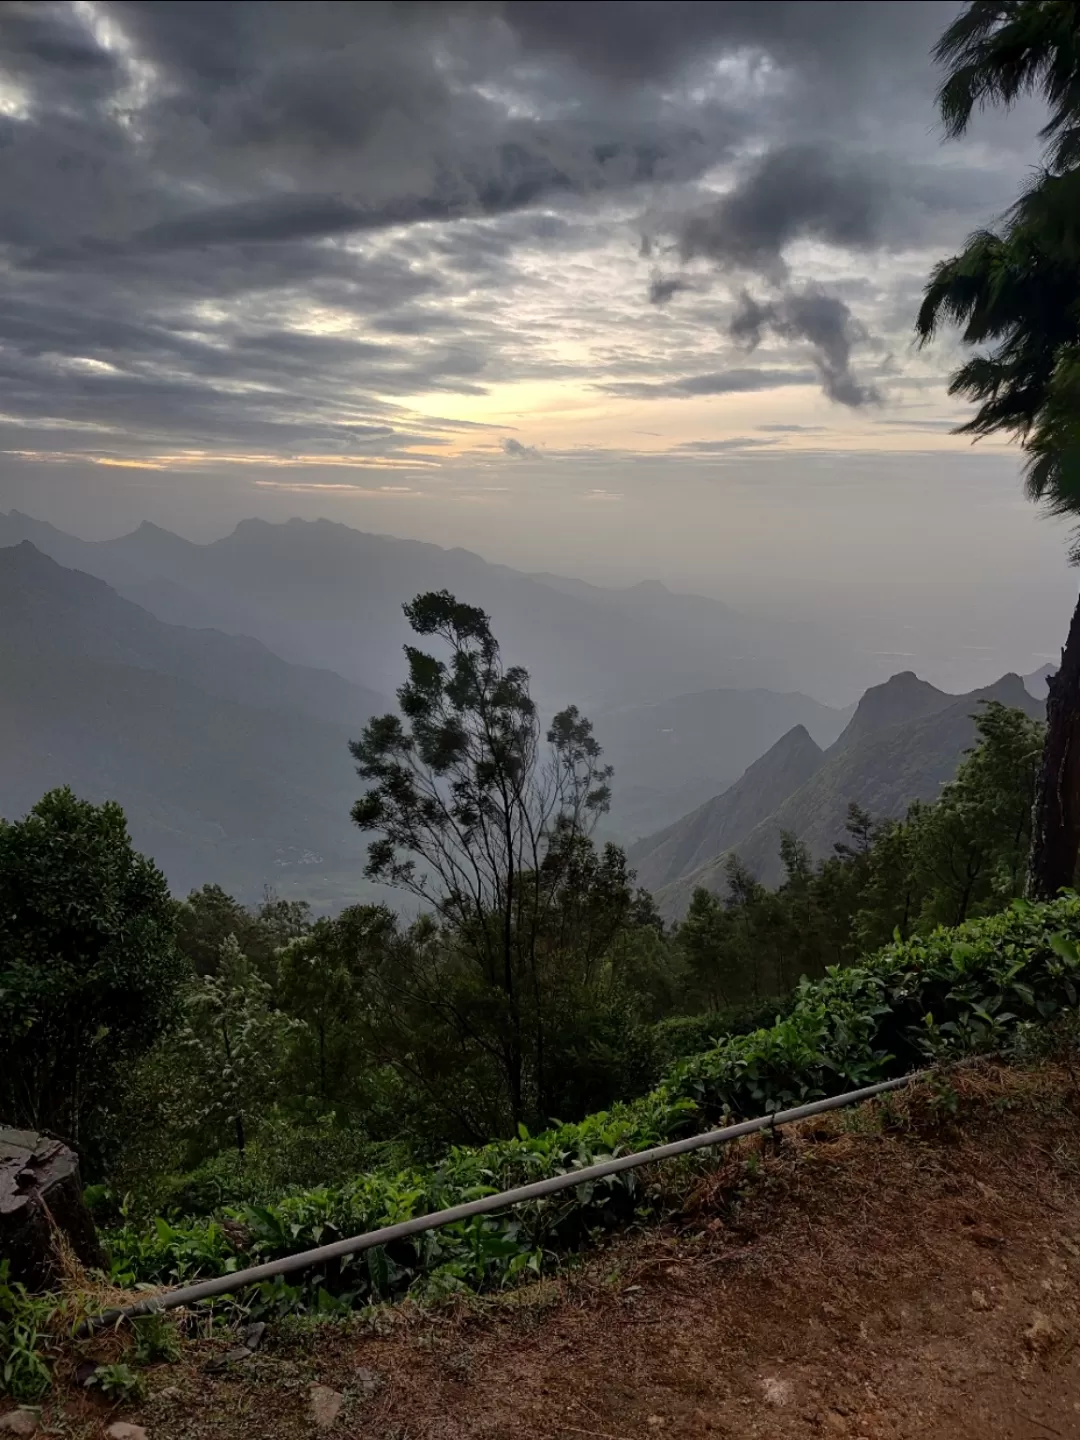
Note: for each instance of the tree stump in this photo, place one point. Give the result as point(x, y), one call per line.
point(40, 1194)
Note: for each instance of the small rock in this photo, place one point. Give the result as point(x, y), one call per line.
point(20, 1422)
point(325, 1405)
point(979, 1300)
point(833, 1422)
point(367, 1381)
point(1040, 1334)
point(222, 1362)
point(776, 1392)
point(656, 1421)
point(124, 1430)
point(254, 1333)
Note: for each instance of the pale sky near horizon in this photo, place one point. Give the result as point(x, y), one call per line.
point(618, 289)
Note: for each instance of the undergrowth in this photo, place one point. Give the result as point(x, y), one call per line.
point(993, 984)
point(955, 992)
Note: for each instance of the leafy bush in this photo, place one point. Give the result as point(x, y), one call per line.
point(284, 1157)
point(155, 1339)
point(89, 973)
point(678, 1036)
point(25, 1322)
point(118, 1382)
point(981, 986)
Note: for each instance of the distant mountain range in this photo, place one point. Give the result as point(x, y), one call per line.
point(130, 672)
point(1035, 684)
point(668, 754)
point(325, 595)
point(231, 763)
point(696, 840)
point(903, 743)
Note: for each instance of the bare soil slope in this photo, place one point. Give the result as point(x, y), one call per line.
point(907, 1274)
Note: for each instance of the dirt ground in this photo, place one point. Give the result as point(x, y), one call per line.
point(915, 1274)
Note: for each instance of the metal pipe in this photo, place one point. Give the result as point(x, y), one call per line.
point(226, 1284)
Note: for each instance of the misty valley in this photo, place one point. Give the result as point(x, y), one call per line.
point(540, 720)
point(212, 690)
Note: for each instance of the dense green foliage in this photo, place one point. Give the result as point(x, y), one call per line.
point(89, 974)
point(1016, 292)
point(951, 993)
point(264, 1082)
point(310, 1051)
point(263, 1049)
point(961, 857)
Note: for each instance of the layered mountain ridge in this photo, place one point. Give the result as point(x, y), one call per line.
point(212, 689)
point(322, 594)
point(231, 764)
point(904, 742)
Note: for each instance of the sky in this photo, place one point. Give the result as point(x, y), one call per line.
point(622, 289)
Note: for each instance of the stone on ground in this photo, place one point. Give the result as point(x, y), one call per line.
point(125, 1430)
point(325, 1405)
point(40, 1190)
point(20, 1422)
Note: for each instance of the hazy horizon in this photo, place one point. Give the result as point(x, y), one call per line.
point(620, 300)
point(934, 632)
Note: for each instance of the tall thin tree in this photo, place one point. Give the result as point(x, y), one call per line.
point(1015, 293)
point(469, 802)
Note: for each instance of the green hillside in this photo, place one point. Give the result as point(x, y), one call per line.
point(726, 819)
point(883, 772)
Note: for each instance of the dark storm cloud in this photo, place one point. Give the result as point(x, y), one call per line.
point(515, 180)
point(727, 382)
point(42, 40)
point(253, 225)
point(824, 322)
point(279, 217)
point(650, 40)
point(663, 288)
point(794, 193)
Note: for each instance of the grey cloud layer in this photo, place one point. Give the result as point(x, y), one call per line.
point(249, 226)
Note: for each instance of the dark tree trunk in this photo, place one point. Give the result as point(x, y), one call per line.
point(1055, 826)
point(40, 1194)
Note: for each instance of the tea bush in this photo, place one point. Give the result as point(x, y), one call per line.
point(982, 986)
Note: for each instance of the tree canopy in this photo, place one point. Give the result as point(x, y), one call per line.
point(89, 971)
point(1015, 294)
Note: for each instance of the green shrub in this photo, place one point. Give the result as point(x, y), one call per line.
point(25, 1340)
point(978, 987)
point(118, 1382)
point(89, 973)
point(679, 1036)
point(155, 1339)
point(284, 1156)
